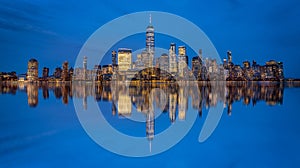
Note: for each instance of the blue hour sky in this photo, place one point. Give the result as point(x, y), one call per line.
point(54, 31)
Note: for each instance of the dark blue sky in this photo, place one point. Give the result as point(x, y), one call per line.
point(53, 32)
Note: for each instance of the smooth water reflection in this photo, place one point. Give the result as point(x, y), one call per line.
point(167, 97)
point(262, 129)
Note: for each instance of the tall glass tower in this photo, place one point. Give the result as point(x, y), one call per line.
point(150, 36)
point(172, 59)
point(149, 54)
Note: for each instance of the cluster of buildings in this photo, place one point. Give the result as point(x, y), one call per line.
point(167, 67)
point(175, 65)
point(63, 73)
point(271, 71)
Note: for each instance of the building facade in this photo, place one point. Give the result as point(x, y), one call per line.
point(182, 62)
point(32, 70)
point(172, 59)
point(124, 59)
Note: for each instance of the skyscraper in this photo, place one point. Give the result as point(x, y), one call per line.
point(196, 67)
point(85, 62)
point(124, 59)
point(163, 62)
point(182, 61)
point(32, 70)
point(114, 57)
point(148, 54)
point(85, 68)
point(150, 37)
point(65, 71)
point(172, 59)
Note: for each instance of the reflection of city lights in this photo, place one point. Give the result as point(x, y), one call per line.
point(165, 96)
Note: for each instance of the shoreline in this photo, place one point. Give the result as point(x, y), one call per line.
point(286, 83)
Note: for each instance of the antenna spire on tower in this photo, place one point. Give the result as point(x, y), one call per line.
point(150, 18)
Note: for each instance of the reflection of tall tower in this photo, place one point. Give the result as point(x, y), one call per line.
point(182, 102)
point(45, 91)
point(229, 109)
point(172, 106)
point(150, 126)
point(150, 119)
point(172, 59)
point(65, 93)
point(113, 108)
point(32, 70)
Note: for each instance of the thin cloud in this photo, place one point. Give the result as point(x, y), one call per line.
point(23, 17)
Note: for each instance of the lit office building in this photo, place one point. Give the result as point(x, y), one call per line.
point(57, 73)
point(147, 59)
point(182, 62)
point(280, 71)
point(163, 62)
point(196, 67)
point(274, 70)
point(32, 70)
point(138, 64)
point(124, 59)
point(114, 60)
point(107, 69)
point(65, 71)
point(114, 57)
point(172, 59)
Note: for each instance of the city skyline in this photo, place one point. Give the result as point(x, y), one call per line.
point(176, 63)
point(65, 73)
point(149, 83)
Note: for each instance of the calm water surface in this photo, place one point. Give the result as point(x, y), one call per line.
point(259, 127)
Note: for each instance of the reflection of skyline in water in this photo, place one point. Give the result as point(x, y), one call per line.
point(149, 99)
point(167, 97)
